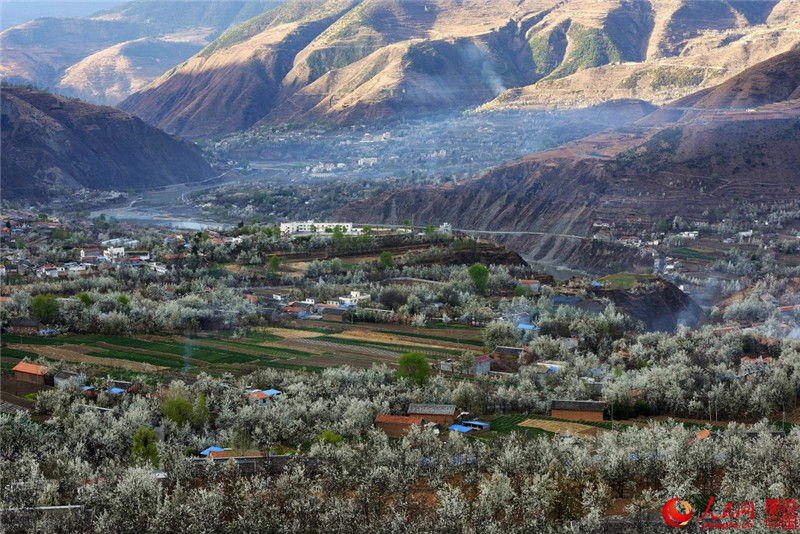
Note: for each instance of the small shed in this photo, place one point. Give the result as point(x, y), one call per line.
point(575, 410)
point(31, 373)
point(334, 314)
point(65, 378)
point(483, 364)
point(462, 429)
point(441, 414)
point(263, 395)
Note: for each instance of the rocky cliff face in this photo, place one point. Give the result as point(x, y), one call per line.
point(53, 145)
point(660, 307)
point(351, 60)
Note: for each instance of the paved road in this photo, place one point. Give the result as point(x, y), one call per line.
point(491, 232)
point(518, 232)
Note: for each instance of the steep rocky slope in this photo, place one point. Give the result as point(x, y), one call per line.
point(53, 145)
point(660, 307)
point(632, 176)
point(774, 80)
point(351, 60)
point(105, 57)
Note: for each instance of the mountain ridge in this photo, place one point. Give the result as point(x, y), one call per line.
point(101, 59)
point(53, 146)
point(367, 59)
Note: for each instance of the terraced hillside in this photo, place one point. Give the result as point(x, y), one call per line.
point(351, 60)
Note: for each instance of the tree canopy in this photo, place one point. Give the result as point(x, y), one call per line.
point(479, 275)
point(415, 367)
point(45, 308)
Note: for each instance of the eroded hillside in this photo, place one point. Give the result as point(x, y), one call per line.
point(351, 60)
point(633, 176)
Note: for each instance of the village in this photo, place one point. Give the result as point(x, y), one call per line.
point(200, 347)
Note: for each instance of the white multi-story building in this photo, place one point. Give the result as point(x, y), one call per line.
point(307, 227)
point(354, 298)
point(114, 253)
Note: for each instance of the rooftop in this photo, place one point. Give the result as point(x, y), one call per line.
point(431, 409)
point(30, 368)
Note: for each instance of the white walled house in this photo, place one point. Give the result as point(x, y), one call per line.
point(307, 227)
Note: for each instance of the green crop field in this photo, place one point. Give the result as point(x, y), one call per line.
point(690, 253)
point(161, 361)
point(504, 424)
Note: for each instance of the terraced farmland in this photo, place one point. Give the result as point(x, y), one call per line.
point(310, 347)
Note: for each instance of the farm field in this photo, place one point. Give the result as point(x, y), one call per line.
point(625, 280)
point(560, 427)
point(310, 347)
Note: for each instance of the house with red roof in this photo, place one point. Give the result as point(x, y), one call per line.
point(31, 373)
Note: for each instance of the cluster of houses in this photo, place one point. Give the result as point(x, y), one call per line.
point(43, 376)
point(332, 310)
point(436, 416)
point(441, 417)
point(91, 260)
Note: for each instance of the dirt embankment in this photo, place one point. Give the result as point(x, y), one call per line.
point(661, 308)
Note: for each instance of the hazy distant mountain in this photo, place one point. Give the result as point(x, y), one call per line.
point(105, 57)
point(53, 145)
point(14, 12)
point(350, 60)
point(636, 175)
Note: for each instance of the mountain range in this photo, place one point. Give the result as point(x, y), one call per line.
point(52, 146)
point(352, 60)
point(699, 156)
point(105, 57)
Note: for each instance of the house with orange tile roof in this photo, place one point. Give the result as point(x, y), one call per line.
point(31, 373)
